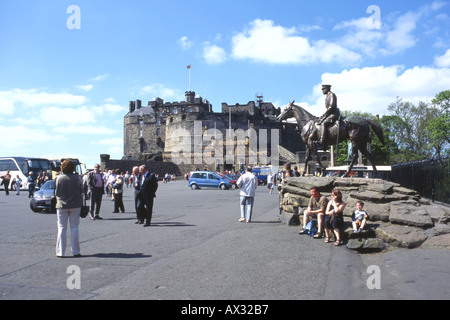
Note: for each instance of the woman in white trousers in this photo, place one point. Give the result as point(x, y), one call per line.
point(69, 189)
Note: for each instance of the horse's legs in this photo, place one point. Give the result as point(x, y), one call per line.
point(369, 157)
point(316, 156)
point(307, 158)
point(354, 159)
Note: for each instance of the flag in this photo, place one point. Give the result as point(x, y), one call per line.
point(188, 67)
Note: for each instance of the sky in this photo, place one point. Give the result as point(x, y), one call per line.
point(68, 69)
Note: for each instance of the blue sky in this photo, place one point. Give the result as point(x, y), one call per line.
point(66, 76)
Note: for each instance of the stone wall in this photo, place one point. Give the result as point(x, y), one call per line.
point(398, 217)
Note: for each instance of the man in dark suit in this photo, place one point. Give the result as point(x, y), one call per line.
point(148, 186)
point(97, 189)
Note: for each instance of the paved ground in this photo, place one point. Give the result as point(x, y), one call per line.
point(197, 250)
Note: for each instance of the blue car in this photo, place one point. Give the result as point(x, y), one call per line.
point(207, 179)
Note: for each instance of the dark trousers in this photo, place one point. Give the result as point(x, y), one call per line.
point(96, 200)
point(145, 209)
point(138, 213)
point(118, 203)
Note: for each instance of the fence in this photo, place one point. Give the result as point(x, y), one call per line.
point(429, 177)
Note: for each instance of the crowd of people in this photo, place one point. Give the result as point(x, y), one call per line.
point(71, 188)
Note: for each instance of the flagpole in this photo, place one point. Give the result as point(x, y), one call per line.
point(189, 76)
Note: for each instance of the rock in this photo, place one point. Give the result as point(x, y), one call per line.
point(397, 215)
point(437, 214)
point(402, 236)
point(366, 245)
point(441, 241)
point(411, 215)
point(306, 183)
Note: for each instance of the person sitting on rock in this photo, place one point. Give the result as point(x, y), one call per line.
point(334, 217)
point(316, 207)
point(359, 217)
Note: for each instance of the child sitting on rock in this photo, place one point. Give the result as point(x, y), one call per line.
point(359, 217)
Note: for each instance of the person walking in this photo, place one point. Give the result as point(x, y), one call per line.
point(31, 184)
point(117, 187)
point(68, 191)
point(97, 189)
point(134, 181)
point(6, 180)
point(147, 192)
point(247, 183)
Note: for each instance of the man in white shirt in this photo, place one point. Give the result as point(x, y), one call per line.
point(247, 184)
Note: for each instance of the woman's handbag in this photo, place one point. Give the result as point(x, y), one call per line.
point(84, 209)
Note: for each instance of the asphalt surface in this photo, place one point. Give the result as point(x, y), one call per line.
point(197, 250)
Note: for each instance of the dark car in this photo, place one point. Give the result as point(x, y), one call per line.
point(45, 198)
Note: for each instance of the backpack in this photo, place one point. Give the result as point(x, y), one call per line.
point(311, 228)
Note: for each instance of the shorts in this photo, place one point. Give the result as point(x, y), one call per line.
point(336, 223)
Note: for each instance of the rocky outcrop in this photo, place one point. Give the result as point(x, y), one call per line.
point(398, 217)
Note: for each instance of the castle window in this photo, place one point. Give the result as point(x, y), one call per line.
point(190, 109)
point(158, 122)
point(158, 131)
point(141, 122)
point(141, 133)
point(175, 111)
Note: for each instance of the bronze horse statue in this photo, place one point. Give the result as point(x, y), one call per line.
point(354, 128)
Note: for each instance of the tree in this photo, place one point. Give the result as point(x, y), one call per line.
point(439, 127)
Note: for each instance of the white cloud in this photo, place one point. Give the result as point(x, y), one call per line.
point(160, 91)
point(55, 116)
point(84, 129)
point(184, 43)
point(266, 42)
point(100, 77)
point(372, 89)
point(444, 60)
point(401, 37)
point(35, 98)
point(214, 54)
point(87, 87)
point(21, 138)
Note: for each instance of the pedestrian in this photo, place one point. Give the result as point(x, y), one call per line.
point(134, 181)
point(247, 184)
point(68, 192)
point(117, 187)
point(31, 184)
point(18, 181)
point(97, 189)
point(148, 184)
point(6, 180)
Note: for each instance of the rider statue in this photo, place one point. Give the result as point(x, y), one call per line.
point(331, 115)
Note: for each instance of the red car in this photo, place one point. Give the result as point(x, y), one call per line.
point(233, 179)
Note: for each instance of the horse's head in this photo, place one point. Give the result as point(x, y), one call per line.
point(287, 113)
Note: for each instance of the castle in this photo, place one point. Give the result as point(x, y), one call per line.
point(154, 133)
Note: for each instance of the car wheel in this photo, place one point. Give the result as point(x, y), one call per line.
point(223, 187)
point(194, 186)
point(233, 186)
point(32, 207)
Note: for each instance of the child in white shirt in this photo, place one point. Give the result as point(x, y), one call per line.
point(359, 217)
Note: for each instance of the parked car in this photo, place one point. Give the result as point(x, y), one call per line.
point(232, 177)
point(207, 179)
point(45, 198)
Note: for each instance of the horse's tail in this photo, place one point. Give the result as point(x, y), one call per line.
point(377, 128)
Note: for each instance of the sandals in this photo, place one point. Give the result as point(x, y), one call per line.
point(327, 240)
point(318, 235)
point(337, 243)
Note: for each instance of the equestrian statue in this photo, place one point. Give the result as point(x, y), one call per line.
point(331, 128)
